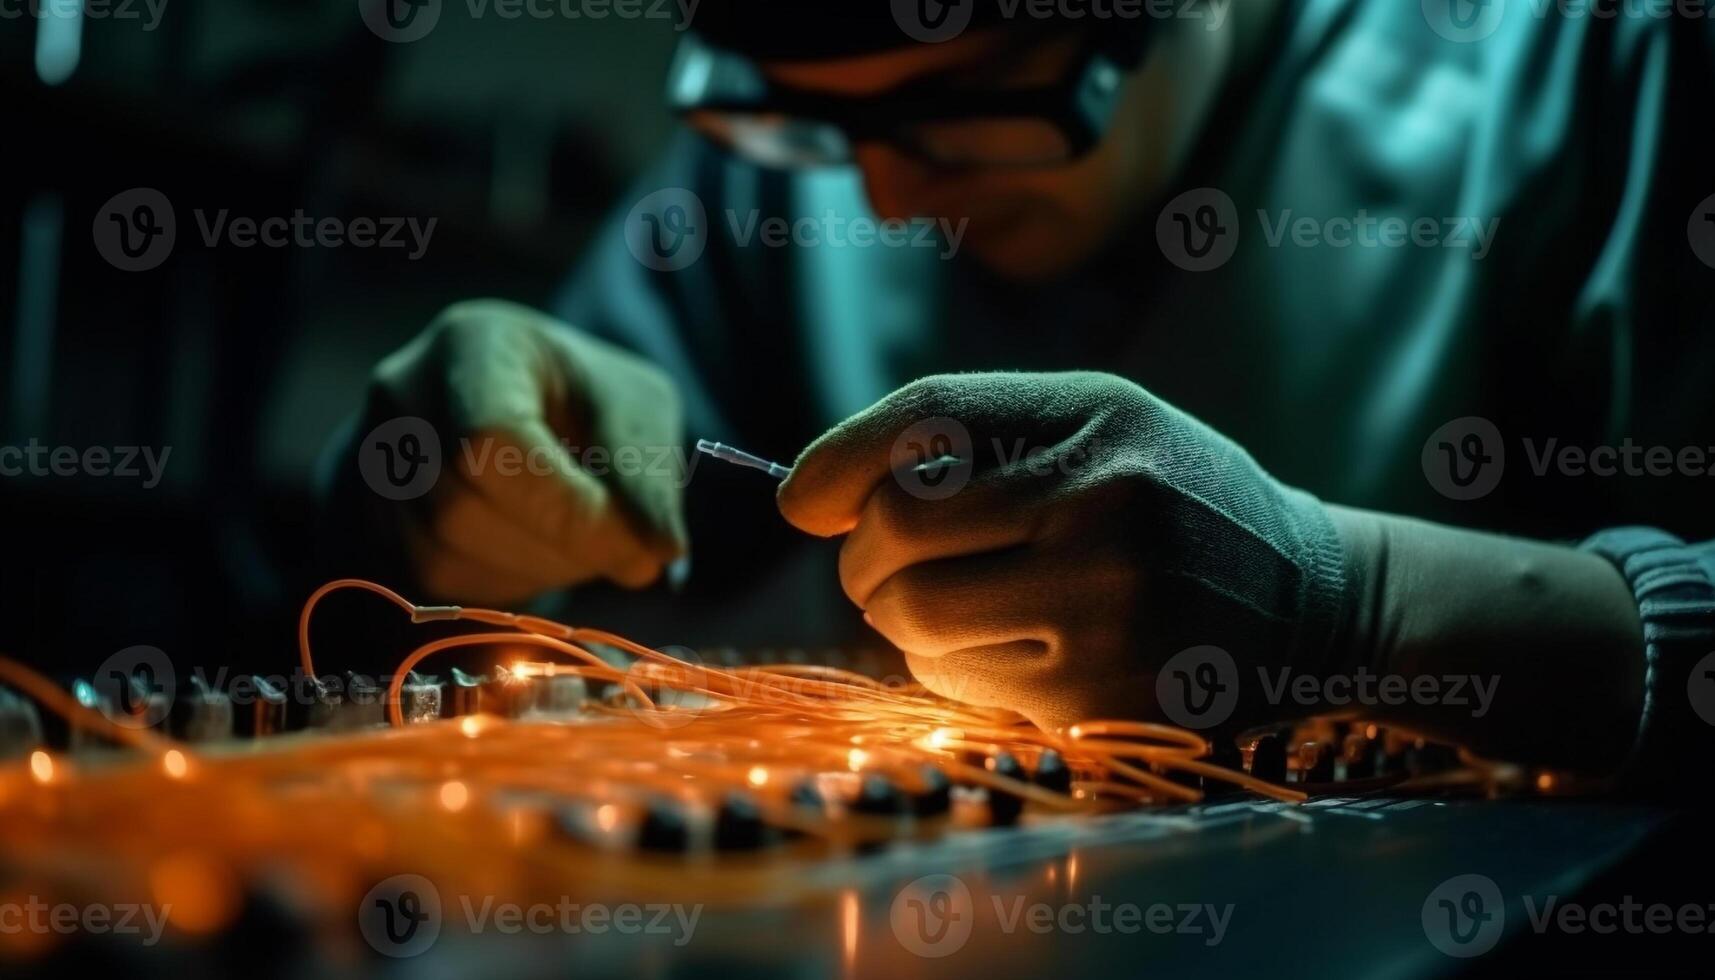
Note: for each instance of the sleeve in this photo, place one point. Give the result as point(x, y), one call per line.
point(1674, 584)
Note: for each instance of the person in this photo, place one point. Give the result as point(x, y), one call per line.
point(1296, 331)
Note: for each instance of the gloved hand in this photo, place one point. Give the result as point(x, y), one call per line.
point(1101, 532)
point(519, 400)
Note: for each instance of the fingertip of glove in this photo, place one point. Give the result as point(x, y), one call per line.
point(806, 509)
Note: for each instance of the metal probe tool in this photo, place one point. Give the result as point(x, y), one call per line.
point(739, 457)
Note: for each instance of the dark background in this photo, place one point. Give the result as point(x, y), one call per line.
point(515, 134)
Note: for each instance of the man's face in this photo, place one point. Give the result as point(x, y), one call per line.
point(1025, 223)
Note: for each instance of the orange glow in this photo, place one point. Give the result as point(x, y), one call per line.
point(175, 764)
point(849, 928)
point(1545, 781)
point(334, 813)
point(454, 795)
point(940, 738)
point(199, 895)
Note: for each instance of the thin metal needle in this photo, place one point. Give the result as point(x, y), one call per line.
point(739, 457)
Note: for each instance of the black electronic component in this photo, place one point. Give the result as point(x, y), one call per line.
point(77, 738)
point(1004, 807)
point(559, 694)
point(463, 695)
point(365, 704)
point(199, 712)
point(259, 707)
point(664, 828)
point(1322, 770)
point(806, 795)
point(1224, 753)
point(505, 694)
point(879, 796)
point(20, 725)
point(1052, 773)
point(315, 703)
point(739, 825)
point(419, 699)
point(1268, 761)
point(936, 795)
point(1361, 758)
